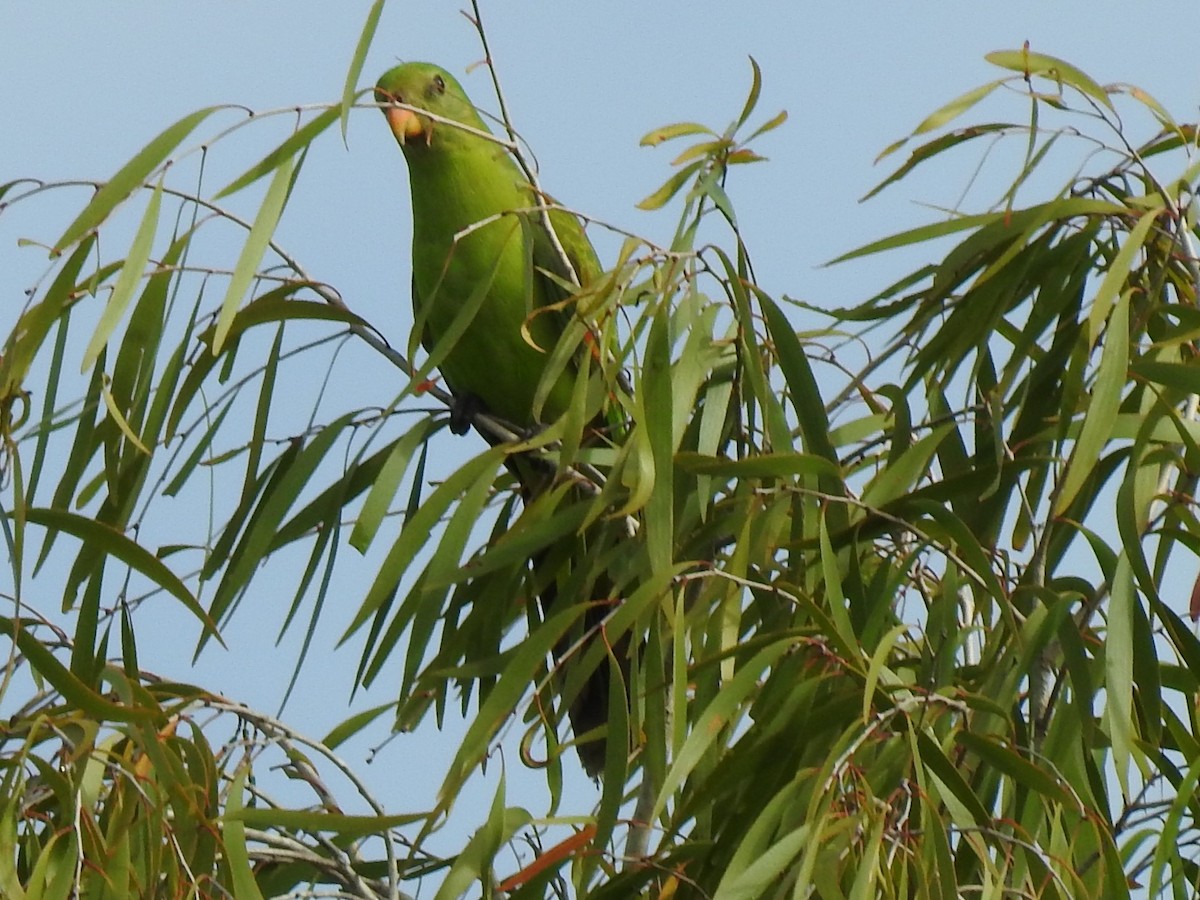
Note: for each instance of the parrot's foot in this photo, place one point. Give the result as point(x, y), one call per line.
point(465, 408)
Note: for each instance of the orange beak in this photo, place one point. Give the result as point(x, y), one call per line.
point(405, 124)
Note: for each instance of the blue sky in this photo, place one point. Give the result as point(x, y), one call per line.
point(85, 86)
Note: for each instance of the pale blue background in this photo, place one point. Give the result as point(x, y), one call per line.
point(84, 86)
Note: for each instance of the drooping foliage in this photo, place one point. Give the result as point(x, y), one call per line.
point(910, 626)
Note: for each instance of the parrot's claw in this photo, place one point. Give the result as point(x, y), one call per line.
point(466, 407)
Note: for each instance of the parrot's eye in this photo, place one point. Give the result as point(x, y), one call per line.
point(439, 84)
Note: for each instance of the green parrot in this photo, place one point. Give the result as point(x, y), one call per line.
point(460, 180)
point(507, 267)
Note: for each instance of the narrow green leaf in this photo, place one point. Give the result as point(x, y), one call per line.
point(103, 537)
point(26, 339)
point(1064, 208)
point(84, 445)
point(445, 563)
point(379, 500)
point(779, 431)
point(1183, 377)
point(474, 863)
point(697, 150)
point(760, 836)
point(193, 459)
point(325, 546)
point(62, 680)
point(280, 305)
point(1050, 67)
point(957, 107)
point(835, 599)
point(122, 423)
point(280, 494)
point(948, 774)
point(417, 531)
point(516, 545)
point(127, 281)
point(1178, 819)
point(1118, 672)
point(718, 714)
point(130, 177)
point(522, 662)
point(1008, 760)
point(365, 38)
point(297, 141)
point(356, 723)
point(935, 148)
point(784, 466)
point(1118, 273)
point(670, 132)
point(253, 250)
point(358, 478)
point(1106, 397)
point(770, 125)
point(50, 877)
point(756, 879)
point(262, 413)
point(45, 427)
point(670, 187)
point(321, 822)
point(899, 477)
point(656, 388)
point(752, 97)
point(803, 389)
point(233, 833)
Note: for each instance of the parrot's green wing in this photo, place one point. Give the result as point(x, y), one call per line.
point(489, 287)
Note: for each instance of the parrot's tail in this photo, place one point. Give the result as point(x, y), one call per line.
point(587, 660)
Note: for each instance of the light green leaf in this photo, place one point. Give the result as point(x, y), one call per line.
point(417, 531)
point(957, 107)
point(670, 187)
point(279, 496)
point(131, 176)
point(716, 716)
point(752, 97)
point(1099, 418)
point(233, 832)
point(318, 822)
point(526, 658)
point(1118, 672)
point(122, 423)
point(897, 478)
point(756, 879)
point(1050, 67)
point(127, 281)
point(253, 250)
point(356, 62)
point(1118, 272)
point(770, 125)
point(300, 139)
point(384, 488)
point(764, 465)
point(670, 132)
point(343, 731)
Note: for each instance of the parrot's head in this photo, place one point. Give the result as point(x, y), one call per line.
point(429, 88)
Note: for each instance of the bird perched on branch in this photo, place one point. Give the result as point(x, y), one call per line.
point(496, 271)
